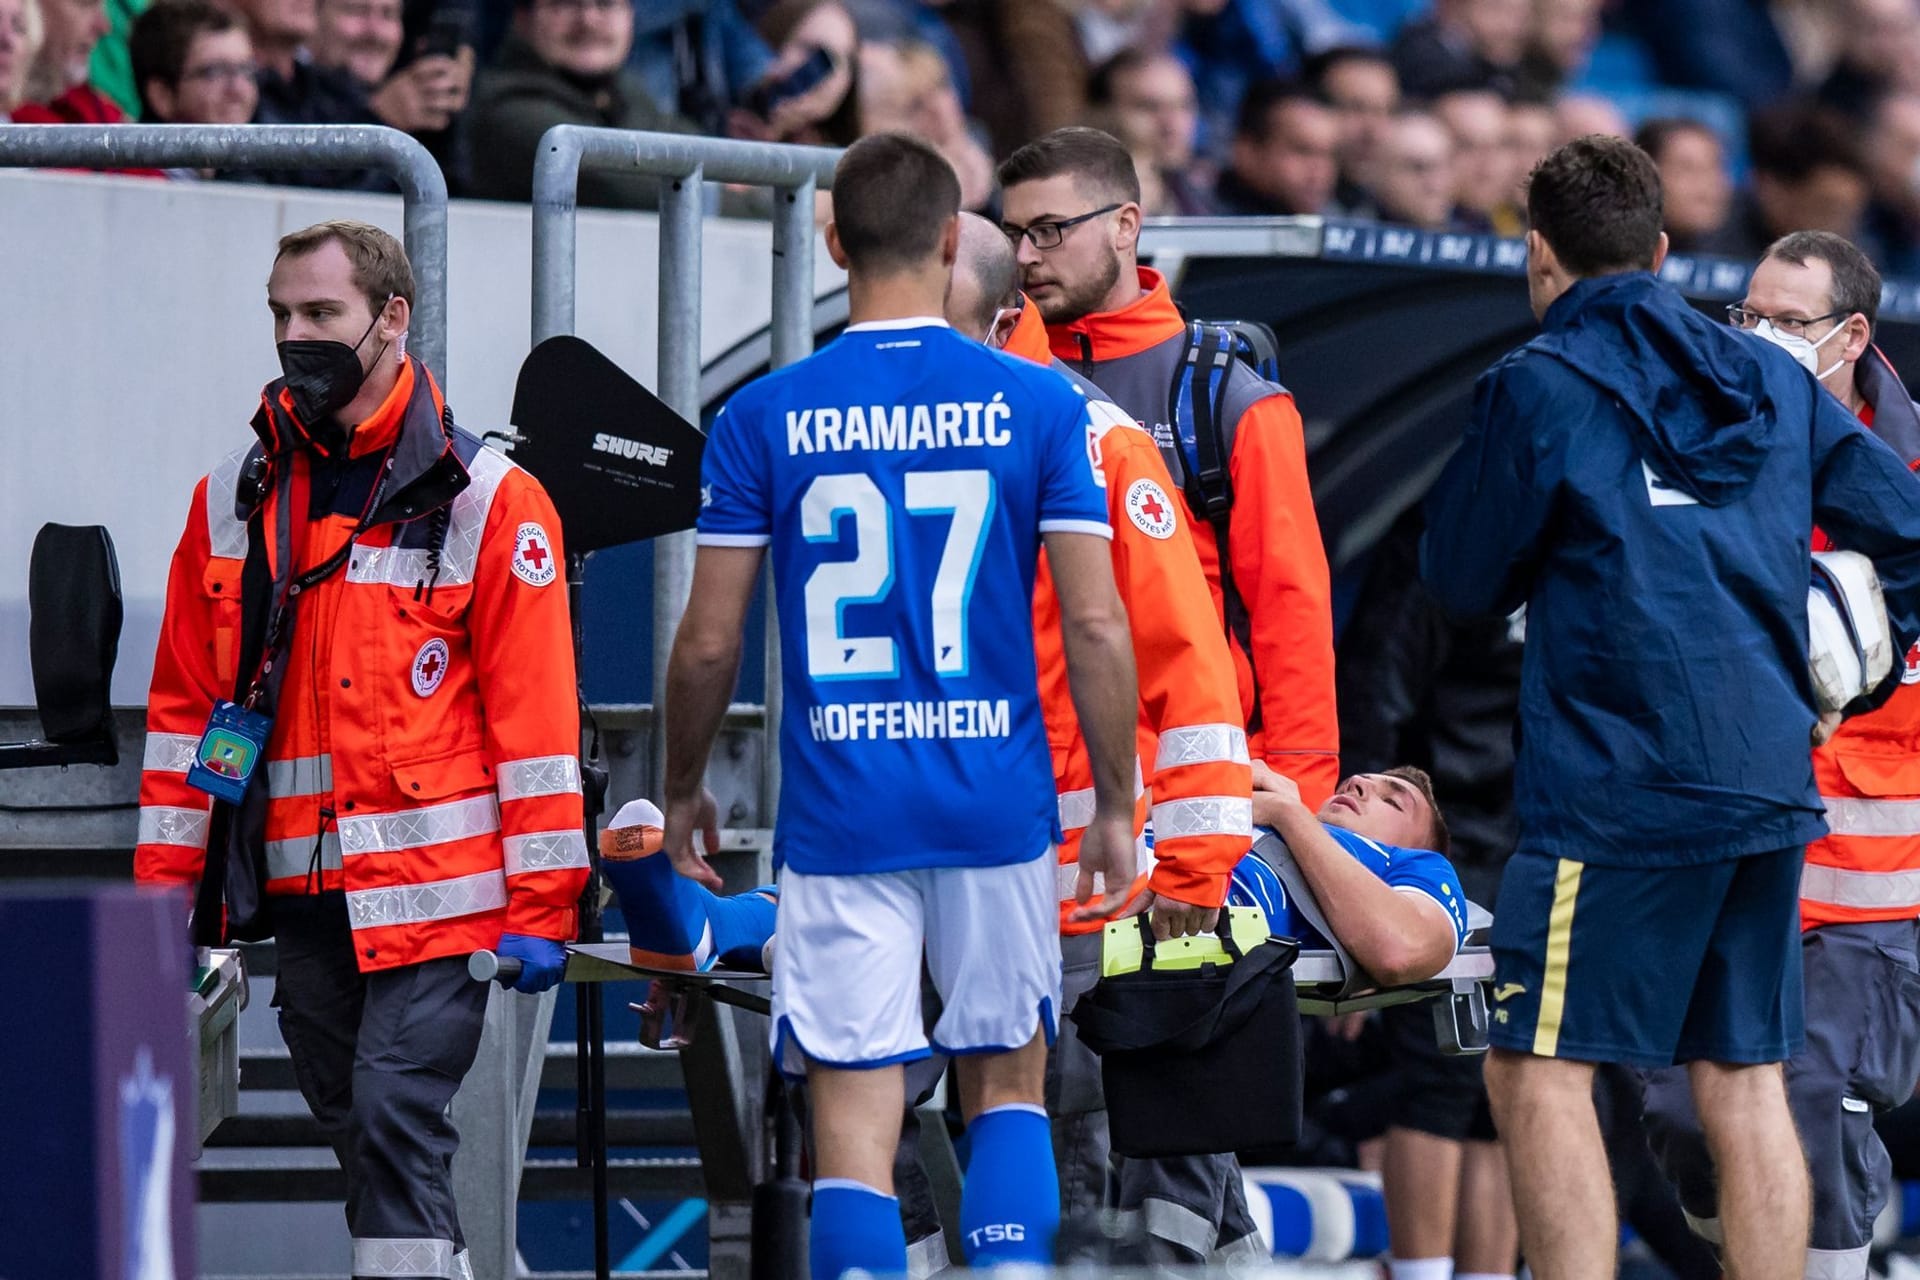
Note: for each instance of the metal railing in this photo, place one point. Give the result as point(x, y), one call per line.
point(685, 165)
point(256, 148)
point(722, 1083)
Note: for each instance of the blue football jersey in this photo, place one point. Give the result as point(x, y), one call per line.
point(1255, 884)
point(902, 477)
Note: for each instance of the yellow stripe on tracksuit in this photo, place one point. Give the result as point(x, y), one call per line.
point(1553, 990)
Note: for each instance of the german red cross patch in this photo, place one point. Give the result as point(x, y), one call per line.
point(533, 560)
point(1149, 507)
point(429, 667)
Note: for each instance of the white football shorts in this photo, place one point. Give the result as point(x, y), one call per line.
point(847, 952)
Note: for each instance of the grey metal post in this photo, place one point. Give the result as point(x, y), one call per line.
point(423, 189)
point(681, 208)
point(791, 332)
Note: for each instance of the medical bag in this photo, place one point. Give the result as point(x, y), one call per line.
point(1199, 1039)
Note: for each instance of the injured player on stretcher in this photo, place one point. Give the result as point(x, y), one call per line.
point(1374, 856)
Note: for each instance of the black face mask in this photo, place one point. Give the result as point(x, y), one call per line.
point(323, 375)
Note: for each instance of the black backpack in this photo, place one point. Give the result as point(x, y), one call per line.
point(1203, 435)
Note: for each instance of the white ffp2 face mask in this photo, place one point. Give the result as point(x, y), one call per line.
point(1800, 348)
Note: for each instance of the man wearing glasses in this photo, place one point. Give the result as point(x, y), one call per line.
point(1071, 207)
point(1816, 296)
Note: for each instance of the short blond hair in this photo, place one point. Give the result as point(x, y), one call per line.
point(380, 266)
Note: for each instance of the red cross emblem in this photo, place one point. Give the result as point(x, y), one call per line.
point(1150, 509)
point(533, 561)
point(429, 667)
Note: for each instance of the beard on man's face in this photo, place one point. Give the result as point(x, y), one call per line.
point(1064, 301)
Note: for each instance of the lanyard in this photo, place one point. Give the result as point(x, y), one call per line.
point(280, 623)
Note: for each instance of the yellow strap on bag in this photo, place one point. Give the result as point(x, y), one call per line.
point(1121, 949)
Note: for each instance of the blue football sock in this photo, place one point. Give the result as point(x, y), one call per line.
point(1010, 1205)
point(854, 1227)
point(666, 913)
point(741, 926)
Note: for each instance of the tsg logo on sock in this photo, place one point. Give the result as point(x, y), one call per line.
point(998, 1233)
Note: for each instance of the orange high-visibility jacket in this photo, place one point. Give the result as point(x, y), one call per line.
point(424, 754)
point(1192, 749)
point(1279, 567)
point(1868, 865)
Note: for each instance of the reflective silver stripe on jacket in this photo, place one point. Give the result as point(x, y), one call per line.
point(403, 1258)
point(466, 525)
point(1857, 816)
point(1202, 744)
point(1076, 809)
point(422, 903)
point(164, 824)
point(169, 752)
point(295, 857)
point(226, 536)
point(1868, 890)
point(544, 851)
point(301, 776)
point(418, 828)
point(539, 776)
point(1203, 816)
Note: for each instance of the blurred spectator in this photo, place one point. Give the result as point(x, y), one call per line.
point(363, 40)
point(697, 58)
point(1364, 92)
point(1578, 115)
point(57, 91)
point(1730, 46)
point(1285, 154)
point(1414, 182)
point(1564, 34)
point(564, 63)
point(1152, 98)
point(905, 87)
point(1891, 229)
point(1698, 189)
point(810, 94)
point(1532, 132)
point(20, 37)
point(1880, 46)
point(110, 67)
point(1234, 44)
point(1808, 175)
point(1463, 44)
point(193, 64)
point(1485, 184)
point(361, 37)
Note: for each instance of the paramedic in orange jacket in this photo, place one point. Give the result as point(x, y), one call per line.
point(386, 594)
point(1071, 203)
point(1192, 752)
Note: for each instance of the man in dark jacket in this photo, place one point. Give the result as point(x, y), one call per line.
point(1647, 481)
point(565, 63)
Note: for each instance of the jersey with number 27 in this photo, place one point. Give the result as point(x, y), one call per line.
point(902, 477)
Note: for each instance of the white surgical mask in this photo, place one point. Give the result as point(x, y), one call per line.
point(1800, 348)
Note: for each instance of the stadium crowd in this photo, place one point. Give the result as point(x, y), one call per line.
point(1764, 119)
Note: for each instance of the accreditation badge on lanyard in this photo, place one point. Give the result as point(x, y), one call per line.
point(230, 750)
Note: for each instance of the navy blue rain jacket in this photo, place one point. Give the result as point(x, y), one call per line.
point(1647, 481)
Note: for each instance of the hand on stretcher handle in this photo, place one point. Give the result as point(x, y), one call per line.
point(487, 966)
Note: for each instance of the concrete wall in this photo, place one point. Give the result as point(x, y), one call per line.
point(134, 339)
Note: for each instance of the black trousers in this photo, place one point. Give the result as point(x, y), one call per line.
point(378, 1057)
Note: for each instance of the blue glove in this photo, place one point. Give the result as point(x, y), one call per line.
point(543, 962)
